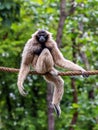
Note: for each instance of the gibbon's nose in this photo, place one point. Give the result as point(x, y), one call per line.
point(42, 39)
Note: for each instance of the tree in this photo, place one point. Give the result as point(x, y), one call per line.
point(75, 29)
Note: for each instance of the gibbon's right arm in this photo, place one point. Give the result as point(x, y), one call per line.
point(62, 62)
point(27, 57)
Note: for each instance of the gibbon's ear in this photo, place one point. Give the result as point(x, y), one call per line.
point(49, 34)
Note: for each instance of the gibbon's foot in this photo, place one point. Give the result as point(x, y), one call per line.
point(84, 74)
point(57, 110)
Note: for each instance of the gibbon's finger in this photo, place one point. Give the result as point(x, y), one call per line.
point(85, 75)
point(22, 91)
point(57, 110)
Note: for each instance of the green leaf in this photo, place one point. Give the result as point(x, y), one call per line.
point(75, 105)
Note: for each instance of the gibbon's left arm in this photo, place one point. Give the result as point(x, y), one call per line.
point(60, 61)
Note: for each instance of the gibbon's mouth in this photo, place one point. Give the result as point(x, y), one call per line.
point(42, 39)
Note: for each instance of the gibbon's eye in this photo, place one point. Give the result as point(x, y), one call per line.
point(42, 36)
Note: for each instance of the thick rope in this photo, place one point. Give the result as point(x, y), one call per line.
point(69, 73)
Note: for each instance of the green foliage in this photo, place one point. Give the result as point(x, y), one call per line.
point(18, 20)
point(9, 12)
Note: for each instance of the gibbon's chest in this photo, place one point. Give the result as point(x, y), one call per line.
point(43, 46)
point(40, 47)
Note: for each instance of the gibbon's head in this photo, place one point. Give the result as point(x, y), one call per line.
point(42, 36)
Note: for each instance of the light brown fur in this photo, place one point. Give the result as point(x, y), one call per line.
point(43, 63)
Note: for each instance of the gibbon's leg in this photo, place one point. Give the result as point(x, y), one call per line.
point(34, 61)
point(58, 90)
point(45, 62)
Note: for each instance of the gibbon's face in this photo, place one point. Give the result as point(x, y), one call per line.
point(42, 36)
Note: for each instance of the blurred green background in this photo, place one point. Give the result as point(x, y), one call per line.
point(18, 20)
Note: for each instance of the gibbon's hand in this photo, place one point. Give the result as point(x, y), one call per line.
point(22, 90)
point(84, 74)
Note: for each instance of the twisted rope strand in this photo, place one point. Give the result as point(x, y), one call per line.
point(69, 73)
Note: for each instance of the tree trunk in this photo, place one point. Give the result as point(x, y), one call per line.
point(73, 85)
point(87, 66)
point(50, 107)
point(63, 16)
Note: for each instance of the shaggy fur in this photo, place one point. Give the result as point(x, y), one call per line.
point(43, 63)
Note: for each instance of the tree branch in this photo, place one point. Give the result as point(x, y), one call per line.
point(72, 8)
point(63, 16)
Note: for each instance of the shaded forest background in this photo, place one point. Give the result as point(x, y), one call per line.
point(74, 25)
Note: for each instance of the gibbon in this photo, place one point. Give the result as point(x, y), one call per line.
point(41, 52)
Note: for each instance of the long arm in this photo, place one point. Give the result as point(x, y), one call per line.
point(27, 58)
point(62, 62)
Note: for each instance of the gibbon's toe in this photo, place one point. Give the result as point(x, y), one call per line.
point(84, 74)
point(57, 110)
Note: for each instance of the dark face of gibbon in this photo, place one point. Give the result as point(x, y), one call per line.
point(42, 36)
